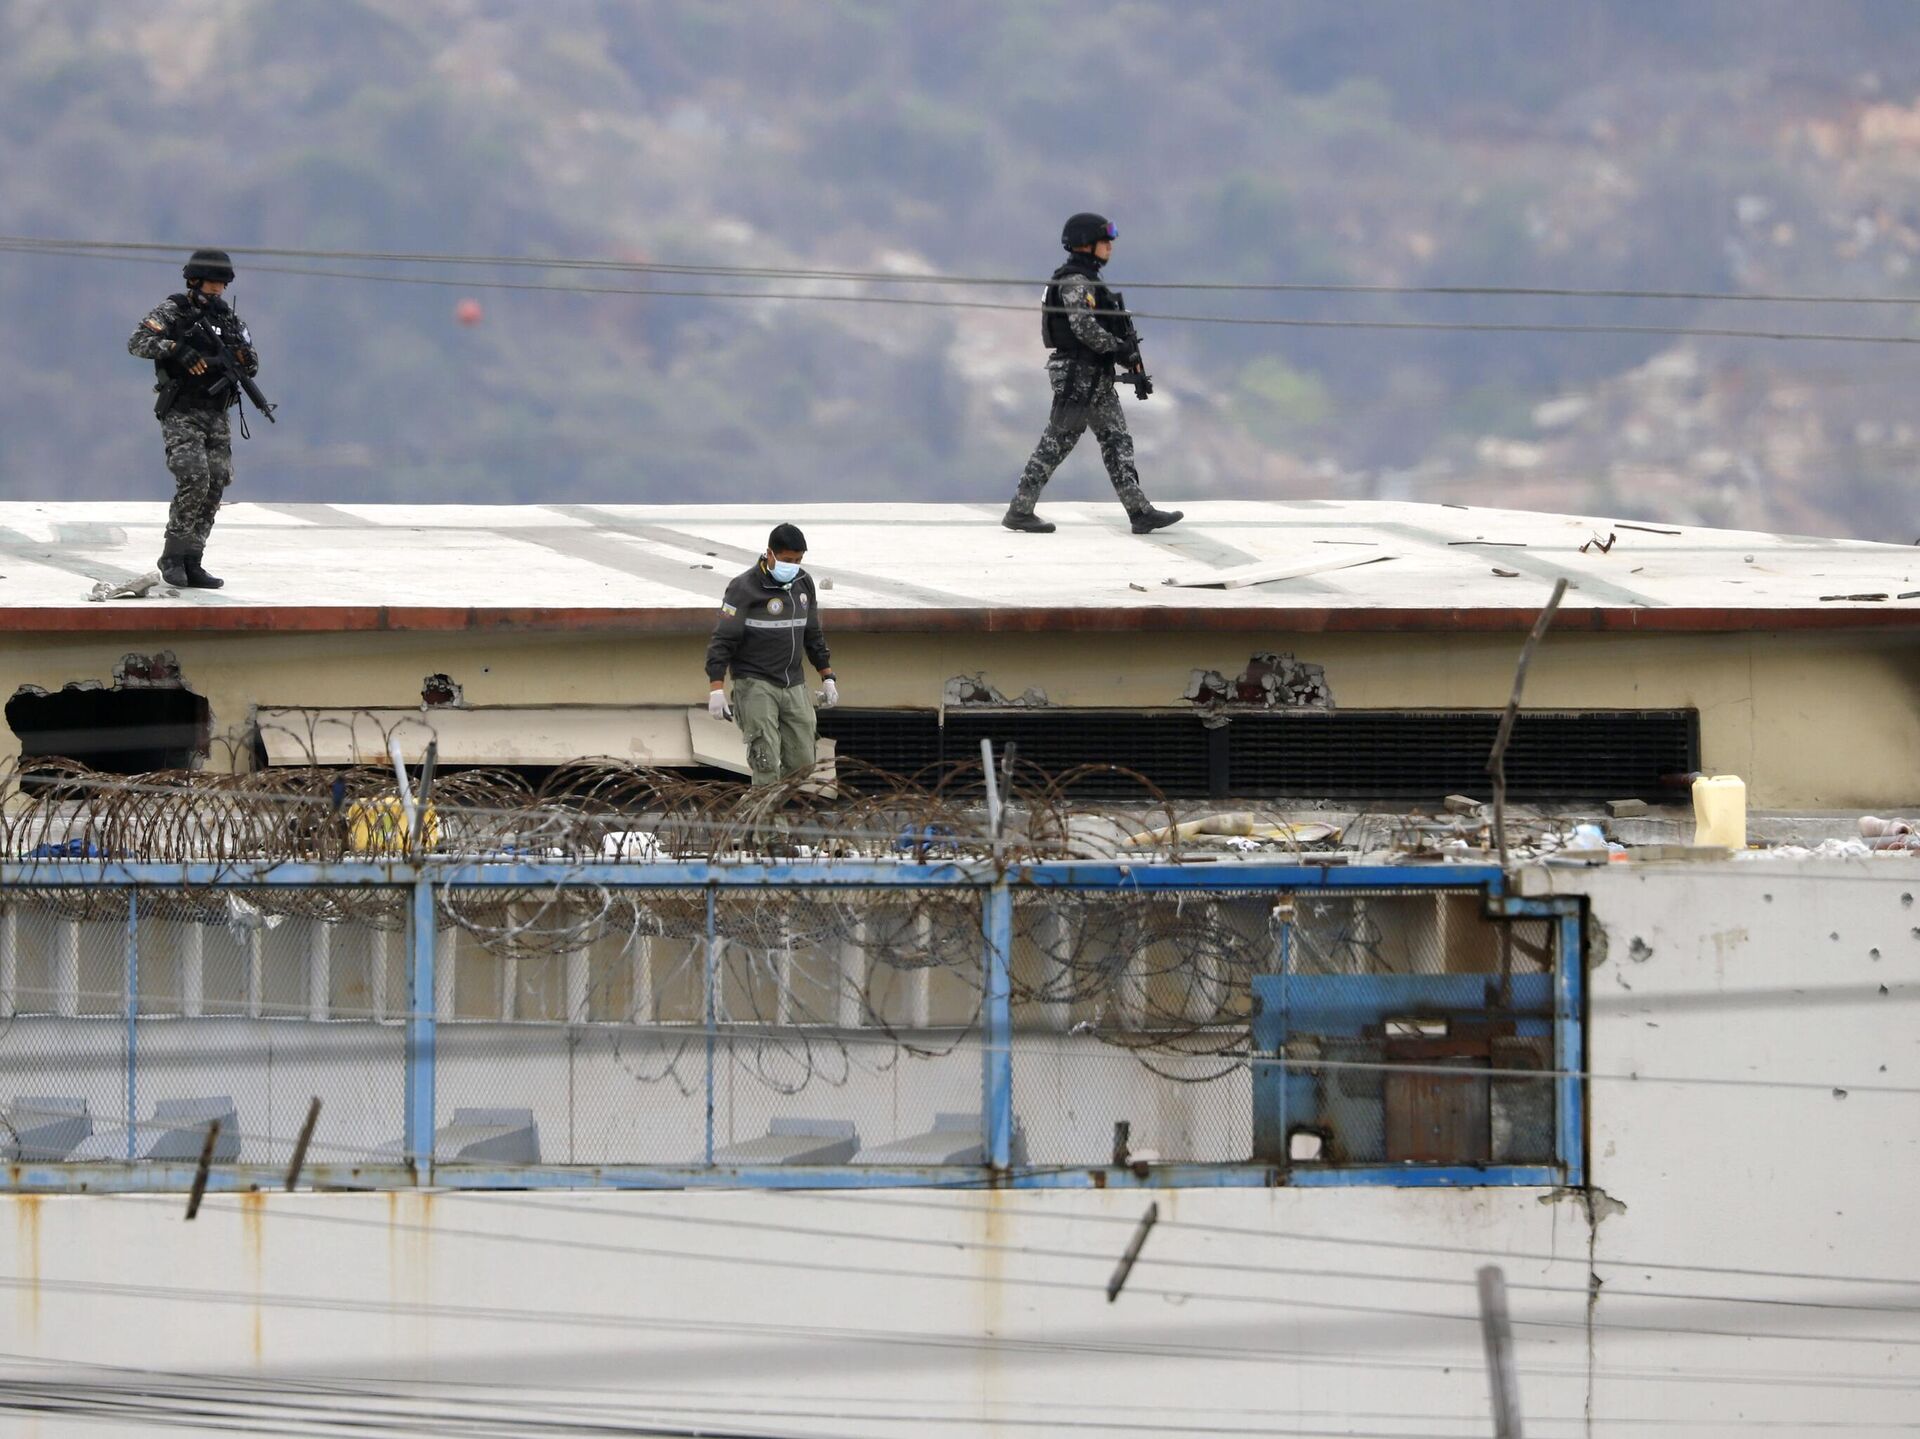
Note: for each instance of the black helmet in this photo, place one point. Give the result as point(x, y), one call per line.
point(209, 265)
point(1087, 228)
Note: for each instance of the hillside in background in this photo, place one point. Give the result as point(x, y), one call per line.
point(1744, 146)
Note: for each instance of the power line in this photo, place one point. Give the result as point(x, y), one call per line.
point(1255, 321)
point(813, 1332)
point(1239, 1231)
point(497, 1393)
point(168, 252)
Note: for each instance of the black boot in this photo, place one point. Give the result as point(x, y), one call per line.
point(1026, 521)
point(1150, 519)
point(198, 577)
point(173, 564)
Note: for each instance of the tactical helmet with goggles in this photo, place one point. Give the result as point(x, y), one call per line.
point(1087, 228)
point(209, 265)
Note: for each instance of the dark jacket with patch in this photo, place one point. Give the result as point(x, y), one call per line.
point(767, 629)
point(161, 338)
point(1080, 318)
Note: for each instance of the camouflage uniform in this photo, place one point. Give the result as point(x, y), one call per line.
point(194, 428)
point(1084, 396)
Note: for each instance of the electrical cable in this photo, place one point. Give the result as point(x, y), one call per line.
point(168, 252)
point(1256, 321)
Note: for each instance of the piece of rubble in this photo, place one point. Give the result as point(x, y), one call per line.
point(134, 589)
point(1463, 804)
point(1626, 808)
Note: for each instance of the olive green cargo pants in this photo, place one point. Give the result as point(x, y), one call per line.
point(779, 726)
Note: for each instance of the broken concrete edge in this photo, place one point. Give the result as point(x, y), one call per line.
point(1598, 1204)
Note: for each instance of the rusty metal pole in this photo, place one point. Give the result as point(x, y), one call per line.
point(1497, 1330)
point(1497, 761)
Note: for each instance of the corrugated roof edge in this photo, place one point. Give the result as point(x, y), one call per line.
point(143, 617)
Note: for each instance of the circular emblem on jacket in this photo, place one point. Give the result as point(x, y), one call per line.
point(775, 607)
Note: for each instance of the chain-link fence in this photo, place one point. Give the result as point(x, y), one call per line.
point(625, 1027)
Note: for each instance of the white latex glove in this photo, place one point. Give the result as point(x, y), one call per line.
point(717, 705)
point(829, 694)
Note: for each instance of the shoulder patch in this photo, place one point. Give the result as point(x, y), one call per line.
point(155, 326)
point(1090, 302)
point(727, 609)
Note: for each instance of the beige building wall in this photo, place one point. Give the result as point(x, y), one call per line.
point(1811, 720)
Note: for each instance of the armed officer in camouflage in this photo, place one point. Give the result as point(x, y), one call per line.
point(1086, 326)
point(182, 336)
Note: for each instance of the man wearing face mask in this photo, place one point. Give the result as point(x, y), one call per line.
point(769, 624)
point(192, 406)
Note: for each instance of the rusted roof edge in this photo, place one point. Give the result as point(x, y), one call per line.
point(136, 616)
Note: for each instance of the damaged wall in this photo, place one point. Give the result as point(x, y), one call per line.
point(1802, 972)
point(1764, 700)
point(1631, 1299)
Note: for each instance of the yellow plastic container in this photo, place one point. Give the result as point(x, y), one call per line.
point(378, 826)
point(1720, 811)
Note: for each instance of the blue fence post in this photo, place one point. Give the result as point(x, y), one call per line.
point(1569, 1048)
point(133, 1028)
point(712, 988)
point(421, 1021)
point(996, 1015)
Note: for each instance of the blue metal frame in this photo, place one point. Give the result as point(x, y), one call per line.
point(133, 1026)
point(422, 1028)
point(996, 884)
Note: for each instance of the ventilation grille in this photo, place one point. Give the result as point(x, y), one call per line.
point(1601, 754)
point(1170, 750)
point(901, 742)
point(1354, 754)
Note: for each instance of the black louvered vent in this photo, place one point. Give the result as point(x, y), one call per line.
point(1353, 754)
point(1169, 750)
point(1362, 754)
point(901, 742)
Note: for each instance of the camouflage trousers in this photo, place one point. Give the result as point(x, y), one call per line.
point(1084, 397)
point(200, 455)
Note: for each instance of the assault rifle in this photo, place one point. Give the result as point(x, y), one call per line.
point(208, 344)
point(1134, 371)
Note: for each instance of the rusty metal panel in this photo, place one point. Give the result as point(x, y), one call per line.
point(1434, 1118)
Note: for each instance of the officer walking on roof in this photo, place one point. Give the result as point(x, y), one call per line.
point(193, 403)
point(769, 622)
point(1084, 324)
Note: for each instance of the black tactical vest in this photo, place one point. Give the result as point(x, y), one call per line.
point(192, 391)
point(1056, 331)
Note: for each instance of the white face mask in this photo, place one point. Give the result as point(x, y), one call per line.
point(784, 572)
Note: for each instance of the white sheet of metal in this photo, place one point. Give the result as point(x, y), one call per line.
point(513, 735)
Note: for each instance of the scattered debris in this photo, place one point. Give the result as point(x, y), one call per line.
point(440, 692)
point(1132, 586)
point(1270, 681)
point(134, 589)
point(1596, 543)
point(1493, 544)
point(1238, 825)
point(1506, 574)
point(1646, 529)
point(1908, 595)
point(1463, 804)
point(1626, 808)
point(1872, 826)
point(158, 671)
point(1879, 596)
point(974, 690)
